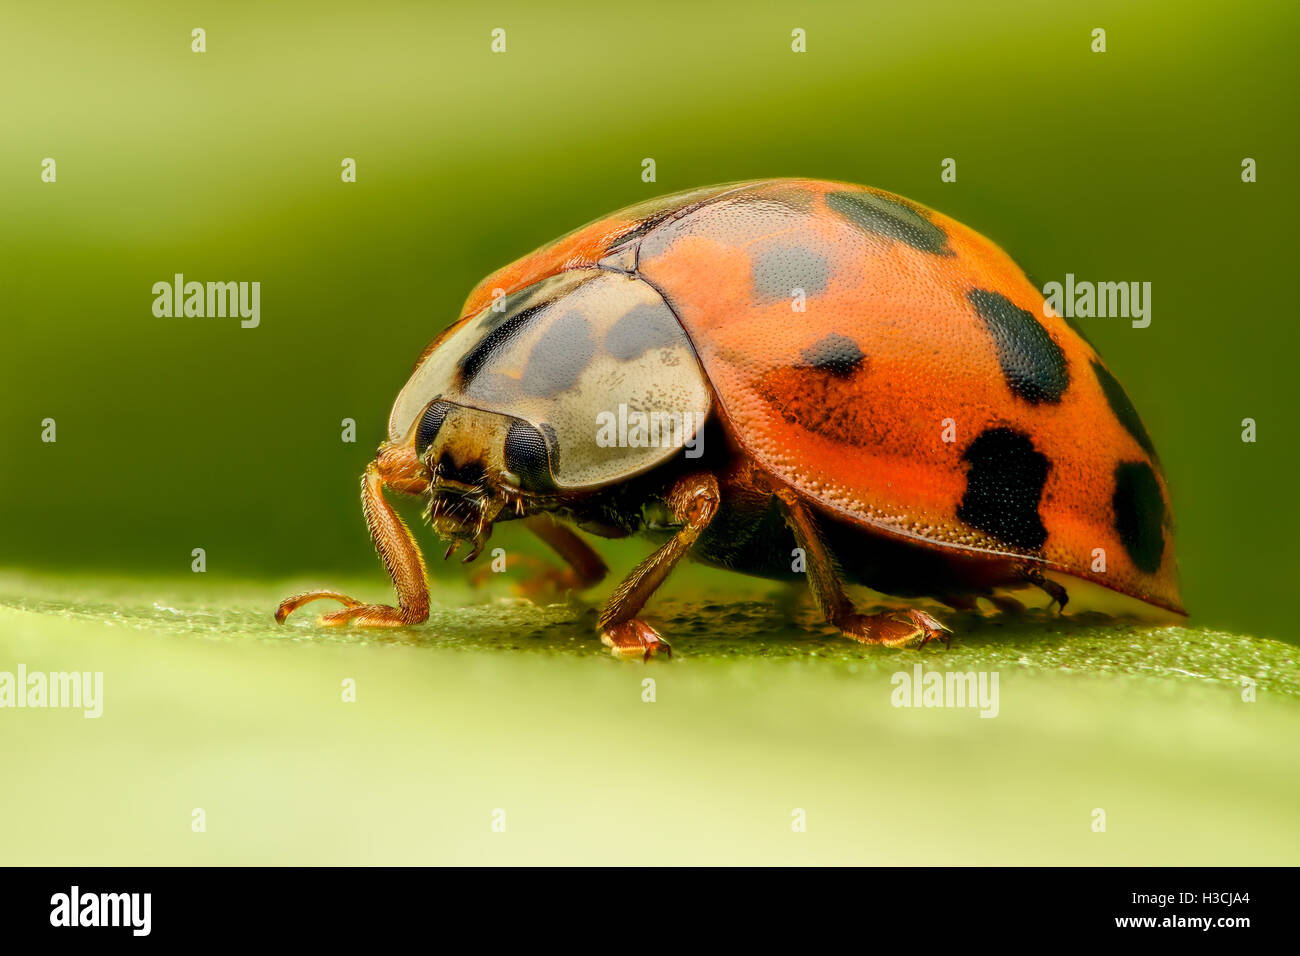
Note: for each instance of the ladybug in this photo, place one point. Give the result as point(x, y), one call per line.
point(791, 378)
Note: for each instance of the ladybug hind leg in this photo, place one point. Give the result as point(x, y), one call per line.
point(901, 628)
point(1060, 597)
point(693, 501)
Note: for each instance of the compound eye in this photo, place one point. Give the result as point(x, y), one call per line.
point(430, 422)
point(527, 457)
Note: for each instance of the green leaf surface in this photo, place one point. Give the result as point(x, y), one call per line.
point(497, 703)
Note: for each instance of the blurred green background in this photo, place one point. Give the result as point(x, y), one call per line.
point(186, 432)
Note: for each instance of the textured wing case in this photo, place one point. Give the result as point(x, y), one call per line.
point(915, 329)
point(897, 368)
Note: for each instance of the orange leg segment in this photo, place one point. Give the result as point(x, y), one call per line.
point(401, 556)
point(584, 568)
point(693, 501)
point(892, 628)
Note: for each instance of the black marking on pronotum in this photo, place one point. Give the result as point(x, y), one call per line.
point(645, 327)
point(1122, 406)
point(500, 335)
point(507, 306)
point(889, 217)
point(837, 354)
point(559, 356)
point(1032, 363)
point(1004, 486)
point(1139, 514)
point(526, 456)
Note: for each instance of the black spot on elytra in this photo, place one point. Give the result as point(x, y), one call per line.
point(1122, 406)
point(1032, 362)
point(1139, 514)
point(645, 327)
point(559, 356)
point(780, 268)
point(1003, 488)
point(837, 354)
point(824, 404)
point(890, 217)
point(498, 338)
point(1073, 325)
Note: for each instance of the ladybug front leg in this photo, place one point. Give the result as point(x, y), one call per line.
point(402, 558)
point(693, 501)
point(893, 628)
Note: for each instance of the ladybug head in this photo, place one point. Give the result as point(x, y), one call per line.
point(478, 467)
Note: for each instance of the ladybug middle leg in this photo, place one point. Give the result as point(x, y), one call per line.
point(693, 500)
point(584, 567)
point(899, 628)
